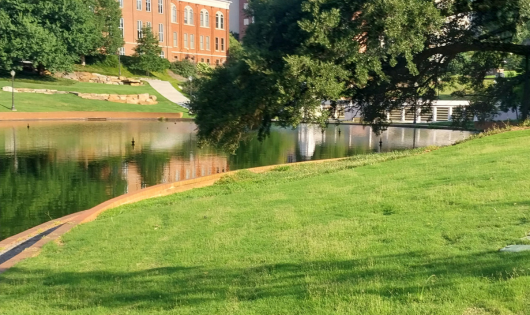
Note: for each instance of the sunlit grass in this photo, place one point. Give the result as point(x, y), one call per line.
point(412, 232)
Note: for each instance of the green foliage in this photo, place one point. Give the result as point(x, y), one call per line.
point(299, 53)
point(203, 68)
point(147, 53)
point(185, 68)
point(53, 34)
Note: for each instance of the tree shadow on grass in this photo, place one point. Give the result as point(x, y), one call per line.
point(396, 277)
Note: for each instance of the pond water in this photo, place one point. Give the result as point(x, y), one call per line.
point(52, 169)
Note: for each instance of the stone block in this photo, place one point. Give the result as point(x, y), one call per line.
point(143, 97)
point(132, 101)
point(113, 98)
point(135, 84)
point(152, 97)
point(8, 89)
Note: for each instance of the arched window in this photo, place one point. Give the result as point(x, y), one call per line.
point(205, 18)
point(188, 15)
point(219, 20)
point(173, 13)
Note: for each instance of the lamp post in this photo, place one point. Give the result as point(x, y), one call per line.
point(13, 90)
point(526, 92)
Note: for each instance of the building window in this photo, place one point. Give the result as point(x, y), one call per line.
point(202, 59)
point(120, 3)
point(222, 44)
point(139, 28)
point(205, 18)
point(245, 6)
point(139, 5)
point(219, 20)
point(201, 42)
point(253, 20)
point(161, 6)
point(217, 43)
point(122, 27)
point(162, 55)
point(148, 24)
point(173, 13)
point(188, 16)
point(185, 40)
point(175, 39)
point(207, 42)
point(217, 62)
point(245, 22)
point(148, 5)
point(208, 61)
point(160, 32)
point(192, 41)
point(176, 58)
point(122, 51)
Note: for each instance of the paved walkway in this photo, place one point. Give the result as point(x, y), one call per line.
point(168, 91)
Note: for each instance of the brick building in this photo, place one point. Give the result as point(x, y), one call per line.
point(193, 29)
point(244, 19)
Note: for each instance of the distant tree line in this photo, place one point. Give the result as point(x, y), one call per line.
point(54, 34)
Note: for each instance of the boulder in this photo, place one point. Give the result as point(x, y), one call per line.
point(8, 89)
point(143, 97)
point(152, 97)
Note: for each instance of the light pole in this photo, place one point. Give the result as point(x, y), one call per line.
point(526, 91)
point(13, 90)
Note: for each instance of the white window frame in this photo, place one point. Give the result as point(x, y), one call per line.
point(207, 42)
point(245, 6)
point(192, 41)
point(120, 3)
point(148, 24)
point(161, 6)
point(219, 21)
point(216, 44)
point(175, 39)
point(245, 22)
point(222, 44)
point(162, 54)
point(188, 15)
point(205, 18)
point(122, 51)
point(185, 40)
point(173, 13)
point(201, 42)
point(122, 27)
point(139, 5)
point(139, 26)
point(148, 5)
point(160, 32)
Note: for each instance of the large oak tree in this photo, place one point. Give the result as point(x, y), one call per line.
point(378, 53)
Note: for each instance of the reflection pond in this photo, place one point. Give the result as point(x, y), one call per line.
point(51, 169)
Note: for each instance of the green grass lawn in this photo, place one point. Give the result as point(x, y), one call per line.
point(399, 233)
point(28, 102)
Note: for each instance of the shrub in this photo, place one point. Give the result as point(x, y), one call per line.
point(184, 68)
point(203, 68)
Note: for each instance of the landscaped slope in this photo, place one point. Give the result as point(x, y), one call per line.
point(29, 102)
point(415, 235)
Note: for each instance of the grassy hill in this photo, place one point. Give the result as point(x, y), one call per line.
point(415, 232)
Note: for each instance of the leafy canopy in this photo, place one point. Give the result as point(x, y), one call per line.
point(53, 34)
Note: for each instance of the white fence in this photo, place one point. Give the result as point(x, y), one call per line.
point(440, 111)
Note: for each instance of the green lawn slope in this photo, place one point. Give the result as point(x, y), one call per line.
point(399, 233)
point(29, 102)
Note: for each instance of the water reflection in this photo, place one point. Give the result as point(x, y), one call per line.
point(52, 169)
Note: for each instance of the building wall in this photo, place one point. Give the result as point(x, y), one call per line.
point(243, 18)
point(177, 50)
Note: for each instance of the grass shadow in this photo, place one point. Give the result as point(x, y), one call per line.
point(401, 278)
